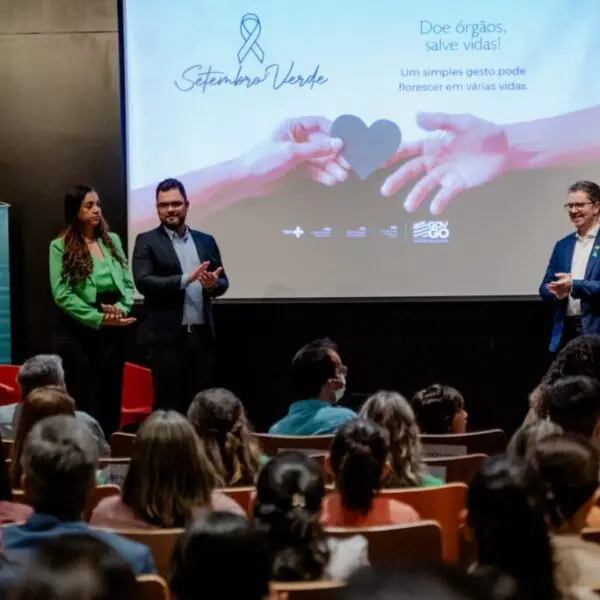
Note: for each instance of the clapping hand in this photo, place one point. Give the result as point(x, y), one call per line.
point(561, 288)
point(208, 279)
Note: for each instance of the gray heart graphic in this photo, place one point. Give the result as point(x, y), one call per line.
point(366, 148)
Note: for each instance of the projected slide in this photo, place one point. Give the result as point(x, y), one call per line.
point(367, 149)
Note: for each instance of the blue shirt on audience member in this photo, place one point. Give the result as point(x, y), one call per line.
point(20, 539)
point(312, 417)
point(187, 253)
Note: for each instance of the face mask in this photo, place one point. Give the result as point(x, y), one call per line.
point(339, 394)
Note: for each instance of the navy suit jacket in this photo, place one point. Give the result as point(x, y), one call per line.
point(157, 275)
point(587, 289)
point(17, 540)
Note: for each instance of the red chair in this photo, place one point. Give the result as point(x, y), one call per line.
point(137, 397)
point(9, 388)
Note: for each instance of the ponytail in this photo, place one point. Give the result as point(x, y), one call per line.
point(358, 454)
point(359, 480)
point(287, 509)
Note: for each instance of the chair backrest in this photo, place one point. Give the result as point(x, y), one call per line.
point(121, 444)
point(309, 590)
point(271, 445)
point(415, 543)
point(96, 495)
point(137, 396)
point(152, 587)
point(9, 388)
point(456, 468)
point(489, 441)
point(443, 504)
point(160, 541)
point(243, 495)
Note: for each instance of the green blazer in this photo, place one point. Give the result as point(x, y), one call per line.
point(79, 301)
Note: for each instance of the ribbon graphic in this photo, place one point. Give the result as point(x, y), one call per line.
point(250, 31)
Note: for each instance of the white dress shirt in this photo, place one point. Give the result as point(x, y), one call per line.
point(581, 256)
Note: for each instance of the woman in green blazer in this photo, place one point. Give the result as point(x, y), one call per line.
point(93, 289)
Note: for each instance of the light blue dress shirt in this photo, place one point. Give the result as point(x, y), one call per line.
point(187, 253)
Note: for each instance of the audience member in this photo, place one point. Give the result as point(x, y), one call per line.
point(440, 409)
point(40, 371)
point(359, 452)
point(319, 382)
point(573, 403)
point(169, 482)
point(444, 582)
point(10, 512)
point(507, 524)
point(76, 567)
point(220, 422)
point(580, 356)
point(59, 461)
point(39, 403)
point(289, 495)
point(392, 412)
point(568, 466)
point(527, 437)
point(208, 550)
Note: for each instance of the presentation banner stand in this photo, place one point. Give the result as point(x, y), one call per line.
point(5, 356)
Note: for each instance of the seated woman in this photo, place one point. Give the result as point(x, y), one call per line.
point(568, 467)
point(392, 412)
point(220, 422)
point(506, 522)
point(440, 409)
point(359, 452)
point(526, 439)
point(169, 481)
point(39, 403)
point(289, 494)
point(204, 555)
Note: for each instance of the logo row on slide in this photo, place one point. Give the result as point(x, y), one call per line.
point(427, 232)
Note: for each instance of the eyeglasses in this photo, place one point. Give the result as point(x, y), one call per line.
point(342, 370)
point(575, 205)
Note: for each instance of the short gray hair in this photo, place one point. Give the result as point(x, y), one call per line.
point(39, 371)
point(59, 463)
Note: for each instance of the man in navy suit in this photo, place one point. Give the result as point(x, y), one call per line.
point(59, 468)
point(572, 279)
point(179, 272)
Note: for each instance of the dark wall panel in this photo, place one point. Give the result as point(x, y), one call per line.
point(59, 122)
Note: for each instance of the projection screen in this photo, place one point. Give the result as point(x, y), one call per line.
point(378, 149)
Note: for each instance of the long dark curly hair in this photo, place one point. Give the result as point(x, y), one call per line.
point(77, 263)
point(581, 356)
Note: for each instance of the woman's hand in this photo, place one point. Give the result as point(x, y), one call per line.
point(110, 309)
point(112, 319)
